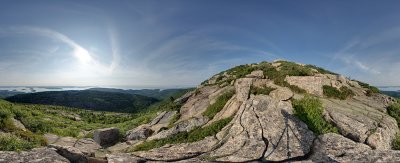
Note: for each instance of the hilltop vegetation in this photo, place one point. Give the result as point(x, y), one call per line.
point(66, 121)
point(395, 94)
point(6, 93)
point(92, 100)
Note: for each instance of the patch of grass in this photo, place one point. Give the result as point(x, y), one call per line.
point(394, 111)
point(332, 92)
point(294, 69)
point(41, 119)
point(241, 71)
point(263, 90)
point(396, 142)
point(286, 69)
point(321, 70)
point(219, 104)
point(370, 89)
point(10, 142)
point(185, 137)
point(310, 111)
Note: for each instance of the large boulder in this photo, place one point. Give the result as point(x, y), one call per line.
point(37, 155)
point(256, 74)
point(242, 87)
point(312, 84)
point(87, 146)
point(139, 133)
point(336, 148)
point(107, 136)
point(282, 94)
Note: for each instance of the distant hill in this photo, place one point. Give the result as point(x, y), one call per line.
point(155, 93)
point(88, 99)
point(7, 93)
point(392, 93)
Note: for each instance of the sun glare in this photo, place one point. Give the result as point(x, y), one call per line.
point(82, 55)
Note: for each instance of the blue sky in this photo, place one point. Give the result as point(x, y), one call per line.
point(181, 43)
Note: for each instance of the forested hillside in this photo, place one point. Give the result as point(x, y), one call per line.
point(88, 99)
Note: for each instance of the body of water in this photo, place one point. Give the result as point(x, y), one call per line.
point(32, 89)
point(389, 88)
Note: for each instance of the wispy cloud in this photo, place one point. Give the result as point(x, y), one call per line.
point(80, 53)
point(375, 55)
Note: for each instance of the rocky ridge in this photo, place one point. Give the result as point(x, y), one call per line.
point(263, 126)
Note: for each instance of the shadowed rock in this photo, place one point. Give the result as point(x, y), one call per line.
point(139, 133)
point(106, 137)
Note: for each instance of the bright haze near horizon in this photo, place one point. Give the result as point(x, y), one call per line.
point(181, 43)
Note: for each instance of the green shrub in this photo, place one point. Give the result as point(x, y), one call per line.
point(332, 92)
point(321, 70)
point(294, 69)
point(241, 71)
point(371, 89)
point(396, 142)
point(394, 111)
point(36, 139)
point(263, 90)
point(7, 125)
point(219, 104)
point(309, 110)
point(13, 143)
point(185, 137)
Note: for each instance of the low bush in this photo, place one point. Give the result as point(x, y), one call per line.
point(10, 142)
point(219, 104)
point(263, 90)
point(332, 92)
point(241, 71)
point(371, 89)
point(310, 111)
point(185, 137)
point(321, 70)
point(394, 111)
point(396, 142)
point(294, 69)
